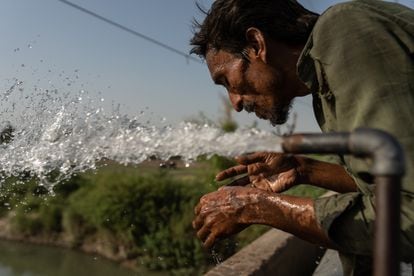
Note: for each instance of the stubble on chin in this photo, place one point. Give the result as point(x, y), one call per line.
point(280, 114)
point(249, 107)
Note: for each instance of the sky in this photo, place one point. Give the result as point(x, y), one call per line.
point(46, 43)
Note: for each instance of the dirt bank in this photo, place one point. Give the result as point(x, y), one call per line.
point(100, 244)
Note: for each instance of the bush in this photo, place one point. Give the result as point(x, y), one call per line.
point(51, 217)
point(27, 225)
point(151, 215)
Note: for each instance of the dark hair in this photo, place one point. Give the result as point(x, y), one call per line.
point(226, 22)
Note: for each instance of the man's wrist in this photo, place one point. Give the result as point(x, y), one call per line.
point(256, 207)
point(262, 208)
point(304, 170)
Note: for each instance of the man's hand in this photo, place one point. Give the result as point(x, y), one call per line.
point(224, 213)
point(228, 211)
point(277, 172)
point(273, 172)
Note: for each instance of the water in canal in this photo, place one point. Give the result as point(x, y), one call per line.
point(22, 259)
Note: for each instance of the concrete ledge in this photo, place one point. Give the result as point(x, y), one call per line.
point(274, 253)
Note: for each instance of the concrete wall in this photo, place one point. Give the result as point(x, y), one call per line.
point(274, 253)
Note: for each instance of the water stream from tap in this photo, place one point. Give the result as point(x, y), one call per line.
point(69, 133)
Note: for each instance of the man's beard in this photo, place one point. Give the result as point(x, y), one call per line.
point(277, 115)
point(280, 114)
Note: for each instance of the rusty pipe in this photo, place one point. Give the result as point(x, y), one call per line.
point(387, 168)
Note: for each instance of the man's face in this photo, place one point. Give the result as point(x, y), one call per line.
point(252, 85)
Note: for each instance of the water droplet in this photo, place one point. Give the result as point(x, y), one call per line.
point(216, 256)
point(29, 46)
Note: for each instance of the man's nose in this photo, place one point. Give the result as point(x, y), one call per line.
point(236, 101)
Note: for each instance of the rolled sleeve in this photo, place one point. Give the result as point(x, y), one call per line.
point(348, 219)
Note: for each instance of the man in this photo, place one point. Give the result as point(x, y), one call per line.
point(356, 59)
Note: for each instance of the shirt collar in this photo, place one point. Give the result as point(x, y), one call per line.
point(306, 66)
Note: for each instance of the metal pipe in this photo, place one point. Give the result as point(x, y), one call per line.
point(387, 167)
point(387, 226)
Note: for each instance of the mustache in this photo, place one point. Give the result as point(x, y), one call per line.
point(248, 106)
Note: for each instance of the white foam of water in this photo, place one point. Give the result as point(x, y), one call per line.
point(69, 134)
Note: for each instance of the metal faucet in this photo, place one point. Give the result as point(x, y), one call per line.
point(387, 168)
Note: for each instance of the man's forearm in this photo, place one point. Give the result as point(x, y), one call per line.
point(326, 175)
point(291, 214)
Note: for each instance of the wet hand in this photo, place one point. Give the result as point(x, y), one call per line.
point(275, 172)
point(223, 213)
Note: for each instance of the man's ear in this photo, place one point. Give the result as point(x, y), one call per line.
point(256, 43)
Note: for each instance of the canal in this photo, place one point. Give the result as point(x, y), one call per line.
point(22, 259)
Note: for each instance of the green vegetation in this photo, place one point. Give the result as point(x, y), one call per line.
point(139, 214)
point(227, 122)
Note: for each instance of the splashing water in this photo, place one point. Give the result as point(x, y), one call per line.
point(69, 133)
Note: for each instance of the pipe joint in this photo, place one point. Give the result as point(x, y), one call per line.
point(386, 153)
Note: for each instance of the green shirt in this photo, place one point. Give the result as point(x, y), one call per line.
point(358, 63)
